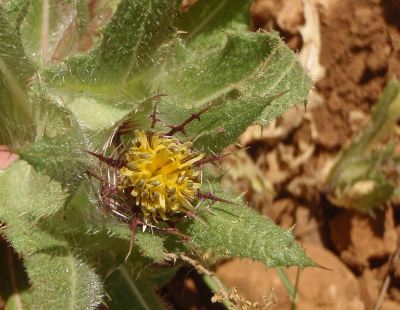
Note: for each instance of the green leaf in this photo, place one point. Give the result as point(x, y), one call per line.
point(61, 157)
point(30, 195)
point(16, 11)
point(92, 85)
point(53, 30)
point(136, 289)
point(226, 123)
point(237, 231)
point(151, 245)
point(206, 19)
point(76, 100)
point(98, 233)
point(255, 76)
point(43, 28)
point(67, 276)
point(362, 175)
point(132, 36)
point(384, 116)
point(148, 248)
point(53, 267)
point(16, 122)
point(135, 31)
point(102, 240)
point(52, 118)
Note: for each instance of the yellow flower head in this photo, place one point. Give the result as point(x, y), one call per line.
point(160, 175)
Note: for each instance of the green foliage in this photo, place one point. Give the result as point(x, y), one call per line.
point(55, 268)
point(249, 91)
point(363, 176)
point(16, 121)
point(48, 154)
point(238, 231)
point(136, 291)
point(57, 101)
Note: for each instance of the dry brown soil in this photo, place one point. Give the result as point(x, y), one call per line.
point(359, 53)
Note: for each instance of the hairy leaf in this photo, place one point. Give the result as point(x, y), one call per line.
point(93, 85)
point(53, 268)
point(206, 18)
point(136, 290)
point(16, 122)
point(53, 30)
point(82, 90)
point(134, 32)
point(385, 115)
point(67, 276)
point(96, 232)
point(51, 118)
point(254, 76)
point(30, 195)
point(237, 231)
point(102, 240)
point(16, 11)
point(61, 157)
point(363, 175)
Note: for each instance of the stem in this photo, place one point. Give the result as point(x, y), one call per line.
point(286, 282)
point(294, 300)
point(201, 270)
point(386, 281)
point(214, 287)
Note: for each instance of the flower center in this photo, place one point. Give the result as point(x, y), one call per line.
point(160, 174)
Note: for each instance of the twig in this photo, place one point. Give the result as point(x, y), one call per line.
point(235, 300)
point(200, 269)
point(386, 282)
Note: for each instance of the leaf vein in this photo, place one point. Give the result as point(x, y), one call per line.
point(133, 288)
point(284, 73)
point(205, 21)
point(73, 280)
point(136, 48)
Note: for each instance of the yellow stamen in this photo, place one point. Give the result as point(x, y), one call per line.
point(160, 174)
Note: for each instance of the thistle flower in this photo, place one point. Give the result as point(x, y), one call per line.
point(155, 178)
point(159, 173)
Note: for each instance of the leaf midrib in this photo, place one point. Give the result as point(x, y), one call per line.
point(136, 48)
point(22, 99)
point(73, 280)
point(205, 21)
point(261, 235)
point(133, 287)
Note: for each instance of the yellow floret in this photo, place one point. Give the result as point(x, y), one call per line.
point(160, 174)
